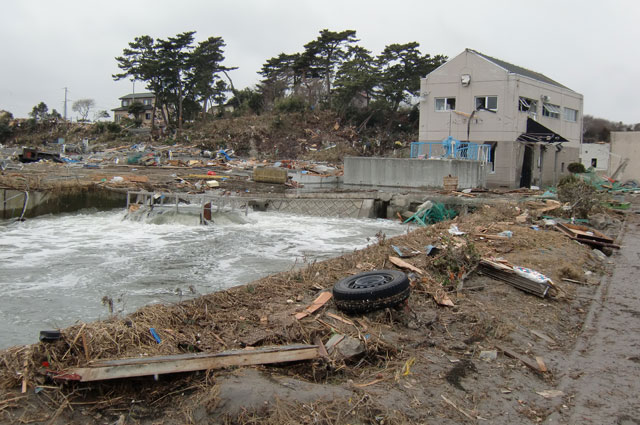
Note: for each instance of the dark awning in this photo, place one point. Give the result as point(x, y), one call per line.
point(537, 133)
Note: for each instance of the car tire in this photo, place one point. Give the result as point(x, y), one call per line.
point(371, 290)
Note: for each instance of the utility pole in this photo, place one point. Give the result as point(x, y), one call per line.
point(65, 103)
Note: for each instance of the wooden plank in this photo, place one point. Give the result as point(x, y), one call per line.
point(128, 368)
point(524, 360)
point(404, 265)
point(542, 336)
point(322, 299)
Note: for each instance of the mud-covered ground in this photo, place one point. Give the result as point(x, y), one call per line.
point(423, 362)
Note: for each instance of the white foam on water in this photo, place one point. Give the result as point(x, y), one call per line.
point(55, 270)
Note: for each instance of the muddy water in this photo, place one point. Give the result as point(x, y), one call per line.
point(55, 270)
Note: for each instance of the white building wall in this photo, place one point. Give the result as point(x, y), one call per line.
point(595, 151)
point(504, 126)
point(625, 144)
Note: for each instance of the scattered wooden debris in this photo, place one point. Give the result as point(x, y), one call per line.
point(322, 299)
point(505, 271)
point(586, 235)
point(148, 366)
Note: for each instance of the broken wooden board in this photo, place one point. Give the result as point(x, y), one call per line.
point(533, 365)
point(322, 299)
point(586, 235)
point(404, 265)
point(149, 366)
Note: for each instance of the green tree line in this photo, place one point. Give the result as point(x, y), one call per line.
point(333, 71)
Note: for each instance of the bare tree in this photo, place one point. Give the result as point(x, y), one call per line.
point(82, 107)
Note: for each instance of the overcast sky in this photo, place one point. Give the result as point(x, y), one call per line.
point(590, 46)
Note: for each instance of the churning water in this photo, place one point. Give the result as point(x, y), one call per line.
point(55, 270)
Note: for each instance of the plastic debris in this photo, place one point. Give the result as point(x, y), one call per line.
point(453, 230)
point(155, 335)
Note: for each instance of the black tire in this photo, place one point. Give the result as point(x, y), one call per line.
point(371, 290)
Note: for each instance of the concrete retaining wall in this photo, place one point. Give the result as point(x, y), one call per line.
point(400, 172)
point(43, 202)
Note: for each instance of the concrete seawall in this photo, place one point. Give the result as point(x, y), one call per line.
point(401, 172)
point(35, 203)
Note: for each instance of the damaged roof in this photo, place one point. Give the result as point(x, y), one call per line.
point(515, 69)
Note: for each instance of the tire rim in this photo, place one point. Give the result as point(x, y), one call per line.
point(370, 281)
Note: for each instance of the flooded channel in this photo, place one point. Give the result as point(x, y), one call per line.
point(56, 270)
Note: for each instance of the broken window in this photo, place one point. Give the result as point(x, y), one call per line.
point(528, 105)
point(445, 103)
point(487, 102)
point(570, 115)
point(551, 111)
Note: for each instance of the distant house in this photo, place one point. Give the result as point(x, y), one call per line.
point(146, 99)
point(532, 123)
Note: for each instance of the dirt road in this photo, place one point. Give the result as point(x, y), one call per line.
point(602, 372)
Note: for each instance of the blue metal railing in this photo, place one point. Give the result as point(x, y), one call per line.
point(452, 149)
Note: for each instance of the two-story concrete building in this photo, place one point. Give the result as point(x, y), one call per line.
point(532, 123)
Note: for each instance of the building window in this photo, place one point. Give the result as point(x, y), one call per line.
point(146, 101)
point(528, 105)
point(147, 116)
point(125, 103)
point(562, 167)
point(445, 103)
point(551, 111)
point(570, 115)
point(594, 162)
point(487, 102)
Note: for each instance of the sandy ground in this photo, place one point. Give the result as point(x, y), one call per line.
point(601, 376)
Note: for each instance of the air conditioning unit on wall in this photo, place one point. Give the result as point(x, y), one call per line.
point(545, 98)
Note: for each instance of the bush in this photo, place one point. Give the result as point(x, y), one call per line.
point(576, 167)
point(5, 132)
point(291, 104)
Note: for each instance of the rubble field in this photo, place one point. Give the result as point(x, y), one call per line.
point(464, 348)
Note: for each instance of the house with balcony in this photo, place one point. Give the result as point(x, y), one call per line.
point(146, 99)
point(531, 123)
